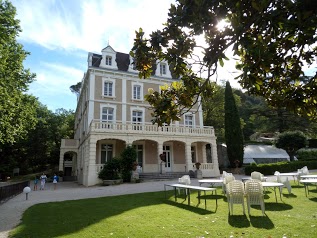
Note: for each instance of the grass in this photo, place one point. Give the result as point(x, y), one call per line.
point(153, 215)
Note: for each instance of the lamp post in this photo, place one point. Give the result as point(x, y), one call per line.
point(26, 190)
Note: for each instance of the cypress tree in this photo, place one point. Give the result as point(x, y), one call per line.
point(233, 132)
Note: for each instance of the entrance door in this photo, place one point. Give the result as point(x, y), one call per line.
point(168, 156)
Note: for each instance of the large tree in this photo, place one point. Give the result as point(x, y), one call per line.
point(291, 141)
point(274, 40)
point(214, 111)
point(233, 133)
point(17, 114)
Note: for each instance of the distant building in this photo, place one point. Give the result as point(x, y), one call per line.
point(262, 154)
point(111, 114)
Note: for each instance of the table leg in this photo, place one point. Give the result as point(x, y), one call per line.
point(275, 193)
point(216, 198)
point(280, 193)
point(165, 190)
point(175, 194)
point(205, 200)
point(188, 192)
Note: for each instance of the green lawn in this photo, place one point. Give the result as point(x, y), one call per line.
point(151, 215)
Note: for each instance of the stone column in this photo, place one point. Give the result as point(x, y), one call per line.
point(161, 164)
point(215, 157)
point(204, 152)
point(188, 157)
point(61, 160)
point(92, 176)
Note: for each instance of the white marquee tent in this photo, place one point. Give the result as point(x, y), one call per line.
point(264, 154)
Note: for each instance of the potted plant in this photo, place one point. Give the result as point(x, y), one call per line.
point(197, 164)
point(163, 157)
point(110, 173)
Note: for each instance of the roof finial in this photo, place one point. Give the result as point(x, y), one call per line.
point(108, 42)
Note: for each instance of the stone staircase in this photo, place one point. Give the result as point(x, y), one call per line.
point(164, 176)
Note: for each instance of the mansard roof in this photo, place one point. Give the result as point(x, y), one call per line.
point(123, 62)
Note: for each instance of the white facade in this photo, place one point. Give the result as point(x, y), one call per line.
point(112, 113)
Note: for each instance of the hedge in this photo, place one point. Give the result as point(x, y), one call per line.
point(283, 167)
point(306, 154)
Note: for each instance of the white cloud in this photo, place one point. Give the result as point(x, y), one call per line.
point(88, 25)
point(54, 80)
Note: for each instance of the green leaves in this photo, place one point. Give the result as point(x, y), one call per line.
point(17, 113)
point(274, 41)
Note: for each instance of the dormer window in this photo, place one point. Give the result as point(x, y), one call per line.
point(162, 69)
point(108, 60)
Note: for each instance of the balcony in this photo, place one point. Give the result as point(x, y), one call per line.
point(150, 129)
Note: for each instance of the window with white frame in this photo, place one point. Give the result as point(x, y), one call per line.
point(137, 92)
point(108, 88)
point(162, 68)
point(137, 118)
point(106, 153)
point(107, 114)
point(108, 60)
point(189, 122)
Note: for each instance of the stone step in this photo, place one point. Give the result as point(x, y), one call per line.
point(158, 176)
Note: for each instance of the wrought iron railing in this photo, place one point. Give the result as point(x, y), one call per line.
point(10, 190)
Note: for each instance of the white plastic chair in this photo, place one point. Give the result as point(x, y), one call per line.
point(302, 171)
point(185, 179)
point(258, 176)
point(254, 194)
point(227, 179)
point(235, 194)
point(286, 182)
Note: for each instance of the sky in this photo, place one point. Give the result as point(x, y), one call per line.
point(60, 33)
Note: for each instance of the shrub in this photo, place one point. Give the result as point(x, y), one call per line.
point(307, 154)
point(111, 170)
point(283, 167)
point(128, 157)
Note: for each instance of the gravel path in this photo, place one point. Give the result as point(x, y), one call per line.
point(12, 210)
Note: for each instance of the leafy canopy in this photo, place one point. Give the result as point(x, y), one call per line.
point(291, 141)
point(273, 39)
point(17, 114)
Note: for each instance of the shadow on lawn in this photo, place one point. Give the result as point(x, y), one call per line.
point(57, 219)
point(241, 221)
point(277, 206)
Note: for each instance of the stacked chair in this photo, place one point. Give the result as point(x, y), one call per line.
point(236, 191)
point(254, 194)
point(227, 177)
point(258, 176)
point(235, 194)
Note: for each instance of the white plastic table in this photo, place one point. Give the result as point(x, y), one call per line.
point(306, 183)
point(190, 187)
point(294, 175)
point(308, 176)
point(211, 181)
point(273, 185)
